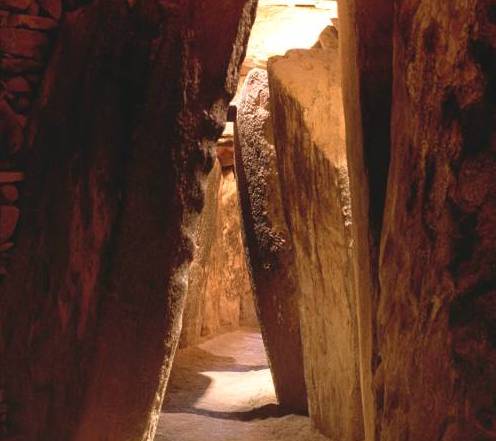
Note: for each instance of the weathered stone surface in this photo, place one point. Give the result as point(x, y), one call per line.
point(225, 154)
point(219, 291)
point(8, 221)
point(437, 314)
point(267, 241)
point(328, 38)
point(365, 39)
point(305, 90)
point(23, 42)
point(227, 280)
point(118, 148)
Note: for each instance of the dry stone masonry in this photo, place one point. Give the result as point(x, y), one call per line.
point(27, 28)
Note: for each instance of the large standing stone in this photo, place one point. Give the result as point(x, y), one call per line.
point(131, 104)
point(437, 315)
point(307, 110)
point(365, 39)
point(268, 244)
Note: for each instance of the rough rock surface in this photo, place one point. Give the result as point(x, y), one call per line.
point(437, 314)
point(308, 120)
point(267, 241)
point(365, 38)
point(219, 292)
point(117, 145)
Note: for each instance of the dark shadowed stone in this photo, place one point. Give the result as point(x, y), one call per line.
point(23, 42)
point(8, 221)
point(53, 7)
point(16, 65)
point(15, 5)
point(11, 130)
point(119, 148)
point(8, 193)
point(32, 22)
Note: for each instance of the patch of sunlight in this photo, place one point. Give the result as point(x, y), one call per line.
point(236, 391)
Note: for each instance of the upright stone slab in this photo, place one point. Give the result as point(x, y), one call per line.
point(132, 101)
point(437, 315)
point(308, 119)
point(365, 40)
point(268, 244)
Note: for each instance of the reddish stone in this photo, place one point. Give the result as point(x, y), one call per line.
point(53, 7)
point(15, 5)
point(6, 246)
point(34, 9)
point(11, 129)
point(11, 177)
point(23, 42)
point(9, 193)
point(14, 65)
point(225, 155)
point(32, 22)
point(17, 85)
point(9, 216)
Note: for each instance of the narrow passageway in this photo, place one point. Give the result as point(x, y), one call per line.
point(222, 389)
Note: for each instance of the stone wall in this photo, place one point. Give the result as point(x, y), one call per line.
point(114, 154)
point(219, 293)
point(426, 296)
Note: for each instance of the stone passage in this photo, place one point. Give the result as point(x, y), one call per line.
point(219, 293)
point(222, 389)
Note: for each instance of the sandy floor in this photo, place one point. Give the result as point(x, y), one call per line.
point(222, 390)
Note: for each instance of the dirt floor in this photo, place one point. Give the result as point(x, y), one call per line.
point(222, 390)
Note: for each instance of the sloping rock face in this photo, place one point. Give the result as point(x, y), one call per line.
point(309, 135)
point(219, 291)
point(117, 147)
point(268, 244)
point(437, 315)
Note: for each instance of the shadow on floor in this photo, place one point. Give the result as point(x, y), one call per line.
point(260, 413)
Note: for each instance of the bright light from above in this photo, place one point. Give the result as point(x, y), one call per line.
point(278, 29)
